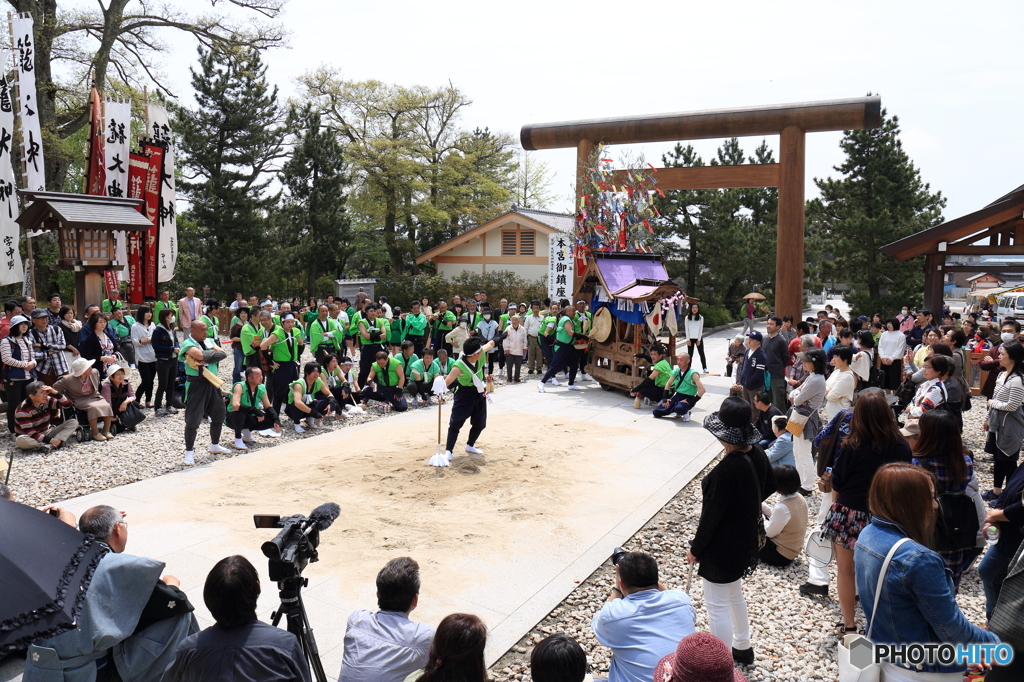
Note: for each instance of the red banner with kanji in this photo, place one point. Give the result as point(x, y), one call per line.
point(96, 176)
point(152, 194)
point(138, 168)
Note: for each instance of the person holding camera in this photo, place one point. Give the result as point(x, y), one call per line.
point(238, 646)
point(387, 646)
point(373, 333)
point(386, 382)
point(250, 409)
point(642, 621)
point(309, 398)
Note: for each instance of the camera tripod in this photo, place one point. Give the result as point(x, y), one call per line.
point(298, 623)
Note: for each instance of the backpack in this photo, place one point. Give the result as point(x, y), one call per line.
point(956, 521)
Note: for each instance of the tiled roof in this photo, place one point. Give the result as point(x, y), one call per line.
point(562, 222)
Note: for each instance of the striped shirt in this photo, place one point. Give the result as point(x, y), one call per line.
point(1008, 393)
point(51, 342)
point(33, 421)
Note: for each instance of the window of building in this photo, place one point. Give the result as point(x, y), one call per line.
point(527, 243)
point(521, 243)
point(508, 244)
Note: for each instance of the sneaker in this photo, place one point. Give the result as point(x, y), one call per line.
point(172, 410)
point(218, 449)
point(269, 433)
point(239, 444)
point(743, 656)
point(161, 412)
point(448, 455)
point(415, 402)
point(554, 382)
point(686, 416)
point(990, 495)
point(585, 377)
point(190, 457)
point(809, 590)
point(574, 387)
point(540, 387)
point(474, 451)
point(299, 429)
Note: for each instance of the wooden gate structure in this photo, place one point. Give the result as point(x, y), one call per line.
point(790, 121)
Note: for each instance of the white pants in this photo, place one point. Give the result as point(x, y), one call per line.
point(805, 463)
point(819, 552)
point(727, 613)
point(897, 673)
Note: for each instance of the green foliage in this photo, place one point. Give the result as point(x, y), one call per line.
point(714, 317)
point(879, 198)
point(316, 229)
point(228, 143)
point(404, 288)
point(721, 243)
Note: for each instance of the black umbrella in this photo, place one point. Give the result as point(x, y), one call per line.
point(45, 569)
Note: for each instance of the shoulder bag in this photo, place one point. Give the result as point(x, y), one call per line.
point(871, 672)
point(131, 416)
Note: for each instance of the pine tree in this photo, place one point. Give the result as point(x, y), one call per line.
point(879, 198)
point(317, 225)
point(228, 144)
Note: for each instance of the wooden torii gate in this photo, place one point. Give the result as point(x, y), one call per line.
point(790, 121)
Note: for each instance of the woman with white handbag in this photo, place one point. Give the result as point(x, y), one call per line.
point(905, 589)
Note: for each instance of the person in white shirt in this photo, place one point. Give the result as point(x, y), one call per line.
point(239, 301)
point(515, 345)
point(693, 329)
point(841, 383)
point(386, 646)
point(892, 346)
point(388, 315)
point(532, 324)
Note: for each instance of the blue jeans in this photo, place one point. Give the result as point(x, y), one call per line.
point(992, 571)
point(239, 371)
point(679, 405)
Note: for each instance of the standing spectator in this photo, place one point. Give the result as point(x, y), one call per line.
point(841, 384)
point(11, 310)
point(39, 420)
point(53, 309)
point(457, 652)
point(750, 375)
point(558, 658)
point(940, 450)
point(48, 344)
point(386, 646)
point(747, 312)
point(117, 391)
point(808, 399)
point(237, 303)
point(932, 393)
point(874, 440)
point(776, 353)
point(238, 646)
point(922, 324)
point(892, 346)
point(165, 348)
point(788, 331)
point(917, 604)
point(1005, 422)
point(1010, 332)
point(189, 308)
point(383, 301)
point(235, 335)
point(415, 328)
point(693, 329)
point(19, 363)
point(516, 347)
point(121, 324)
point(725, 544)
point(457, 337)
point(796, 373)
point(97, 344)
point(164, 302)
point(71, 328)
point(642, 620)
point(145, 356)
point(487, 328)
point(787, 520)
point(113, 302)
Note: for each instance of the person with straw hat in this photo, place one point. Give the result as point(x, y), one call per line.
point(700, 657)
point(727, 540)
point(82, 387)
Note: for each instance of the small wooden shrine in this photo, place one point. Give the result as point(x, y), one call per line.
point(85, 225)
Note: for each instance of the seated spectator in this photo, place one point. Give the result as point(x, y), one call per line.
point(781, 450)
point(386, 382)
point(39, 420)
point(787, 520)
point(386, 646)
point(642, 620)
point(117, 391)
point(238, 646)
point(558, 658)
point(250, 408)
point(309, 399)
point(765, 412)
point(700, 657)
point(457, 652)
point(82, 386)
point(131, 620)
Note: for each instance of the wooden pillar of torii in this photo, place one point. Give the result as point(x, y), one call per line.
point(790, 121)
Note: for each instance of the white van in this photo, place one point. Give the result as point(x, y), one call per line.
point(1011, 305)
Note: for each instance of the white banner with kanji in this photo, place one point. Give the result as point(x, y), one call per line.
point(11, 269)
point(117, 131)
point(31, 137)
point(167, 239)
point(559, 267)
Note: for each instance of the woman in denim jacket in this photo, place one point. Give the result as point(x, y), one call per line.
point(917, 604)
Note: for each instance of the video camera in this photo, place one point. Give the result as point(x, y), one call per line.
point(295, 546)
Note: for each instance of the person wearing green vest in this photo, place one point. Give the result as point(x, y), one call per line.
point(444, 321)
point(412, 367)
point(164, 302)
point(546, 334)
point(309, 398)
point(202, 399)
point(340, 380)
point(467, 374)
point(682, 391)
point(584, 325)
point(285, 346)
point(325, 336)
point(653, 386)
point(212, 323)
point(385, 382)
point(109, 305)
point(416, 328)
point(122, 326)
point(564, 350)
point(441, 365)
point(397, 333)
point(250, 410)
point(424, 368)
point(373, 332)
point(309, 313)
point(250, 338)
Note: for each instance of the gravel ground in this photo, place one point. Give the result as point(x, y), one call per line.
point(156, 448)
point(792, 635)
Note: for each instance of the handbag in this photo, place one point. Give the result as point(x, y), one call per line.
point(797, 420)
point(872, 672)
point(1007, 619)
point(131, 416)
